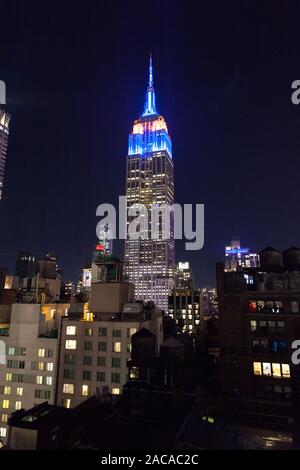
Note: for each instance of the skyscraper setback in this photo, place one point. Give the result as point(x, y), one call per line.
point(4, 131)
point(150, 180)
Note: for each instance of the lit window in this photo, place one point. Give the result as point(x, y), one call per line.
point(267, 369)
point(2, 432)
point(285, 370)
point(131, 331)
point(49, 366)
point(18, 405)
point(7, 390)
point(257, 368)
point(253, 325)
point(4, 417)
point(41, 365)
point(67, 403)
point(71, 330)
point(8, 377)
point(41, 352)
point(115, 391)
point(71, 343)
point(48, 380)
point(85, 390)
point(276, 370)
point(5, 404)
point(117, 347)
point(39, 379)
point(19, 391)
point(68, 388)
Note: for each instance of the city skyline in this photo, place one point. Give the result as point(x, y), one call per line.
point(225, 148)
point(149, 229)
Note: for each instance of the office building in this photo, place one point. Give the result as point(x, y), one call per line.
point(184, 275)
point(149, 181)
point(259, 317)
point(25, 264)
point(184, 308)
point(4, 132)
point(237, 257)
point(95, 340)
point(30, 335)
point(47, 268)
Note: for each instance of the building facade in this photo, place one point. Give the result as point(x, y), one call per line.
point(185, 309)
point(259, 315)
point(237, 257)
point(4, 132)
point(95, 342)
point(28, 376)
point(25, 264)
point(150, 181)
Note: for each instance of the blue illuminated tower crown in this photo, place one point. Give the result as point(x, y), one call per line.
point(150, 132)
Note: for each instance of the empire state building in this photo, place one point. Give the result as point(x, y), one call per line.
point(150, 180)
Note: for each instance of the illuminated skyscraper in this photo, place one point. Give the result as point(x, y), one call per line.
point(4, 131)
point(150, 180)
point(237, 257)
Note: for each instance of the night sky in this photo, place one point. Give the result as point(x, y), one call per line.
point(76, 76)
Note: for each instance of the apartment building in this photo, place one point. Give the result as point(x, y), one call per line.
point(29, 336)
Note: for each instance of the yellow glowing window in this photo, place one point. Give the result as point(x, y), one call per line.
point(8, 377)
point(71, 344)
point(267, 369)
point(19, 391)
point(285, 370)
point(67, 403)
point(4, 417)
point(117, 347)
point(7, 390)
point(71, 330)
point(68, 388)
point(5, 404)
point(276, 370)
point(18, 405)
point(257, 368)
point(41, 366)
point(85, 390)
point(115, 391)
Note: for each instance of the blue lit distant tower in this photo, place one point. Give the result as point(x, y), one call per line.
point(150, 180)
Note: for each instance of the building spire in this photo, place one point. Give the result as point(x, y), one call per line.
point(150, 84)
point(150, 108)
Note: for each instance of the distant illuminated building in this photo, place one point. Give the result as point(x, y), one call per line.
point(4, 131)
point(209, 303)
point(79, 287)
point(103, 252)
point(87, 278)
point(184, 275)
point(48, 267)
point(25, 264)
point(238, 257)
point(69, 289)
point(184, 308)
point(150, 180)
